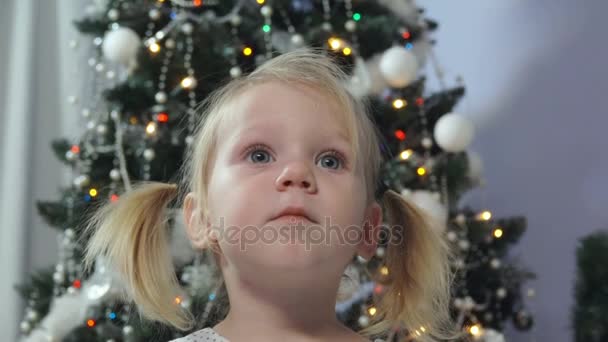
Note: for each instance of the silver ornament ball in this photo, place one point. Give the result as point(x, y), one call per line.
point(113, 14)
point(115, 175)
point(161, 97)
point(154, 14)
point(235, 72)
point(266, 11)
point(363, 321)
point(187, 28)
point(350, 25)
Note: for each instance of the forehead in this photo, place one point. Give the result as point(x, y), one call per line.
point(281, 105)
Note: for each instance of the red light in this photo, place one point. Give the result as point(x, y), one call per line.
point(162, 117)
point(75, 149)
point(420, 101)
point(406, 35)
point(76, 283)
point(197, 2)
point(114, 198)
point(400, 134)
point(91, 323)
point(378, 289)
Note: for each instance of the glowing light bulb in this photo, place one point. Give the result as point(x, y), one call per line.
point(475, 330)
point(91, 323)
point(405, 155)
point(261, 2)
point(399, 103)
point(93, 192)
point(151, 128)
point(334, 43)
point(178, 300)
point(384, 270)
point(498, 233)
point(154, 47)
point(486, 215)
point(247, 51)
point(188, 82)
point(372, 311)
point(421, 171)
point(346, 51)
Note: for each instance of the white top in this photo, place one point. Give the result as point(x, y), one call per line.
point(203, 335)
point(210, 335)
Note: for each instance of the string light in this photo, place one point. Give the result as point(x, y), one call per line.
point(162, 117)
point(91, 323)
point(406, 35)
point(188, 82)
point(475, 330)
point(197, 3)
point(75, 149)
point(372, 311)
point(498, 233)
point(334, 43)
point(346, 51)
point(420, 101)
point(400, 134)
point(356, 16)
point(405, 155)
point(178, 300)
point(384, 270)
point(76, 283)
point(247, 51)
point(261, 2)
point(421, 171)
point(154, 47)
point(133, 120)
point(114, 198)
point(93, 192)
point(399, 103)
point(151, 128)
point(266, 28)
point(423, 329)
point(486, 215)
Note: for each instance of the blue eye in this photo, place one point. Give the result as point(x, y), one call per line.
point(333, 160)
point(257, 154)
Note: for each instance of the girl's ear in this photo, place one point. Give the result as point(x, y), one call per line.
point(371, 231)
point(195, 228)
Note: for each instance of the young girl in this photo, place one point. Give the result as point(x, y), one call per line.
point(285, 144)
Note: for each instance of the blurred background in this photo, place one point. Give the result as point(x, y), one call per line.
point(535, 78)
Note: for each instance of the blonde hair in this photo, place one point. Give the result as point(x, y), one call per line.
point(131, 233)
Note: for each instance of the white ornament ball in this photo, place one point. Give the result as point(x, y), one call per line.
point(469, 303)
point(326, 26)
point(189, 140)
point(71, 290)
point(110, 74)
point(69, 232)
point(121, 45)
point(454, 132)
point(115, 174)
point(380, 251)
point(451, 236)
point(58, 278)
point(113, 14)
point(32, 315)
point(297, 40)
point(100, 67)
point(501, 293)
point(427, 143)
point(398, 66)
point(350, 25)
point(363, 321)
point(458, 303)
point(81, 181)
point(531, 293)
point(160, 97)
point(149, 154)
point(461, 219)
point(266, 11)
point(235, 72)
point(428, 202)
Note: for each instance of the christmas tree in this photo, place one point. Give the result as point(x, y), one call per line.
point(590, 311)
point(153, 62)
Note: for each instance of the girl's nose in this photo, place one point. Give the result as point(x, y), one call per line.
point(298, 175)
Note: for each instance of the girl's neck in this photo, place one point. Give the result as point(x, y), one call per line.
point(283, 307)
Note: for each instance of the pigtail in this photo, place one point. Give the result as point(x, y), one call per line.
point(418, 289)
point(131, 234)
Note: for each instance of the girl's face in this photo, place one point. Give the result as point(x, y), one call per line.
point(283, 147)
